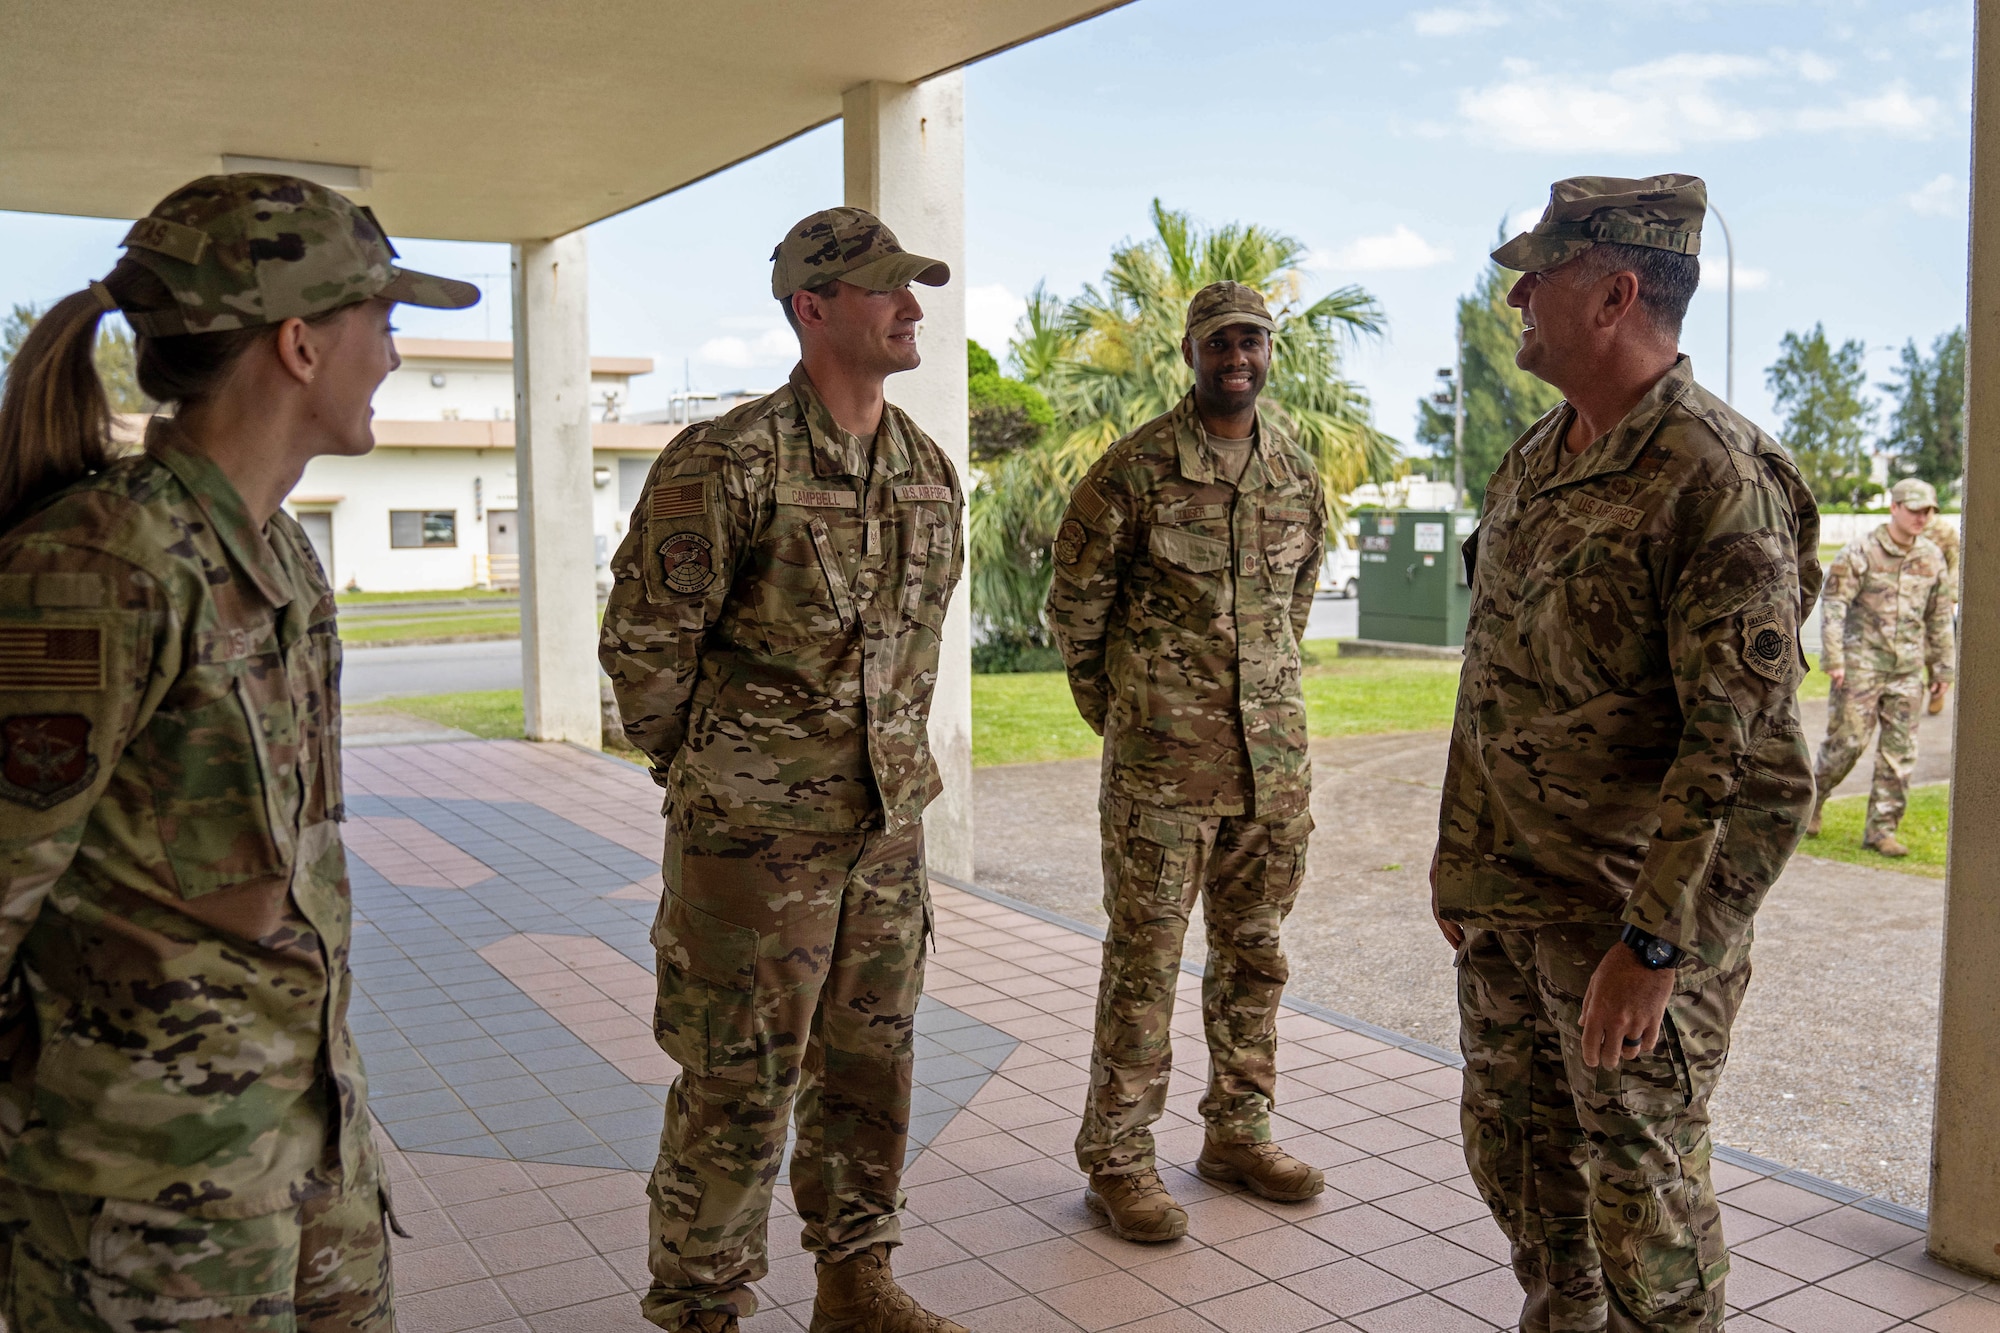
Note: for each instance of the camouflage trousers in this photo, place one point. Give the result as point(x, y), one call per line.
point(790, 964)
point(1599, 1177)
point(88, 1265)
point(1868, 701)
point(1157, 862)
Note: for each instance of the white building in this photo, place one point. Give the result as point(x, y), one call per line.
point(434, 505)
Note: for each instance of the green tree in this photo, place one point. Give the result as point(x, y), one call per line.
point(1927, 430)
point(1819, 390)
point(1004, 414)
point(117, 359)
point(1109, 359)
point(1501, 399)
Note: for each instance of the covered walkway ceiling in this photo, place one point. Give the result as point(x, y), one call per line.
point(461, 119)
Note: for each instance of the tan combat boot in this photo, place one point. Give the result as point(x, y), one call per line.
point(1886, 845)
point(858, 1295)
point(1137, 1206)
point(1265, 1167)
point(1935, 706)
point(1812, 825)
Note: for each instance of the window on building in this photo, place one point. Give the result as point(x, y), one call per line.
point(423, 527)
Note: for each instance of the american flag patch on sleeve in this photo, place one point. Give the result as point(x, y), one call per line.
point(683, 499)
point(1088, 502)
point(50, 657)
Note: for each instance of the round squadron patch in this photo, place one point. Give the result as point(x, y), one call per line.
point(1767, 648)
point(686, 562)
point(45, 758)
point(1069, 542)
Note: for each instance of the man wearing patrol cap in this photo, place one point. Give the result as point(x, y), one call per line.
point(1184, 573)
point(1626, 776)
point(1886, 617)
point(183, 1112)
point(772, 638)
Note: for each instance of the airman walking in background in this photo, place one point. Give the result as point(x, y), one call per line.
point(1945, 535)
point(1627, 775)
point(183, 1113)
point(1887, 618)
point(1184, 574)
point(772, 639)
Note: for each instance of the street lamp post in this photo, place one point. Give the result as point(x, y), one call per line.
point(1729, 305)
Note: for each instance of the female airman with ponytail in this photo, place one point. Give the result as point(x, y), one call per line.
point(184, 1136)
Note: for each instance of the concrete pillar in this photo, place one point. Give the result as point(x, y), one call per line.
point(553, 470)
point(905, 163)
point(1965, 1150)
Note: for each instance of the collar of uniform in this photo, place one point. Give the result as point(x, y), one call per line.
point(1888, 543)
point(1197, 464)
point(221, 503)
point(1622, 443)
point(838, 452)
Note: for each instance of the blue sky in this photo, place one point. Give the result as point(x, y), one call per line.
point(1390, 139)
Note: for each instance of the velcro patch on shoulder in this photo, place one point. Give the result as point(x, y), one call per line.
point(1089, 505)
point(680, 498)
point(1767, 647)
point(1625, 516)
point(51, 657)
point(905, 494)
point(807, 497)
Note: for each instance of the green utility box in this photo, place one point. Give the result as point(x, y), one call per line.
point(1413, 585)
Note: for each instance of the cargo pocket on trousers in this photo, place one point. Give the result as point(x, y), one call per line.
point(705, 1017)
point(1652, 1085)
point(1168, 845)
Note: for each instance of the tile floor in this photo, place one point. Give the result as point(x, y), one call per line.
point(502, 894)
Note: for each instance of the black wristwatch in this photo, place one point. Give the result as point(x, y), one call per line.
point(1653, 951)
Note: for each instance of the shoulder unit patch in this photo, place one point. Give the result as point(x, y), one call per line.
point(687, 562)
point(45, 758)
point(1767, 647)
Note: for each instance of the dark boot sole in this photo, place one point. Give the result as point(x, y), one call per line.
point(1095, 1202)
point(1223, 1174)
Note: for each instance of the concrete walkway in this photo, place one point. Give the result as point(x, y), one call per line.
point(502, 892)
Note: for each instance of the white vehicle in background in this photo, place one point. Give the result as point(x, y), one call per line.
point(1340, 572)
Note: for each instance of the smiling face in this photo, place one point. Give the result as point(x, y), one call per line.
point(1230, 366)
point(356, 351)
point(1556, 311)
point(870, 333)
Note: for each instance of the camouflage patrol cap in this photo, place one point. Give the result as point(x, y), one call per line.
point(250, 249)
point(1914, 493)
point(1663, 212)
point(850, 244)
point(1221, 304)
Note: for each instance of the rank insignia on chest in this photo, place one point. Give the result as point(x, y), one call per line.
point(1767, 647)
point(45, 758)
point(1069, 542)
point(687, 562)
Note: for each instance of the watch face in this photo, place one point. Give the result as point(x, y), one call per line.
point(1659, 952)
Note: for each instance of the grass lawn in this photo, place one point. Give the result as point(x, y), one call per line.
point(1923, 832)
point(436, 625)
point(428, 595)
point(490, 714)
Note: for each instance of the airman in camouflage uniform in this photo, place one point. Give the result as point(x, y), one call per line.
point(1184, 574)
point(772, 637)
point(1887, 617)
point(1946, 537)
point(183, 1113)
point(1626, 779)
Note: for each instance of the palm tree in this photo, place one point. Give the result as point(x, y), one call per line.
point(1110, 359)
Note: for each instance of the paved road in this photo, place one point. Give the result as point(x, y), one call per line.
point(1334, 618)
point(429, 668)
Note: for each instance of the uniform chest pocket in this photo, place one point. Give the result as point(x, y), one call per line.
point(930, 569)
point(215, 793)
point(1586, 639)
point(1287, 540)
point(802, 591)
point(1186, 550)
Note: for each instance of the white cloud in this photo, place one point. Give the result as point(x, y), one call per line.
point(1941, 197)
point(1457, 22)
point(991, 311)
point(1397, 248)
point(774, 346)
point(1666, 104)
point(1808, 65)
point(1892, 109)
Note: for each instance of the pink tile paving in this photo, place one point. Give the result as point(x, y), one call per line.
point(996, 1234)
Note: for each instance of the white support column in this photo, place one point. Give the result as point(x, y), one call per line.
point(552, 465)
point(1965, 1150)
point(905, 163)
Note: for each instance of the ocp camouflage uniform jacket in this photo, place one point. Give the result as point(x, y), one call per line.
point(1627, 742)
point(173, 895)
point(1179, 603)
point(1947, 539)
point(772, 636)
point(1886, 609)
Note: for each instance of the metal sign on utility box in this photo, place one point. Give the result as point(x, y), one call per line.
point(1413, 585)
